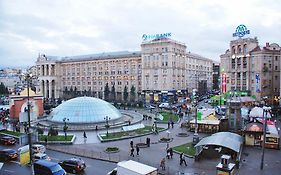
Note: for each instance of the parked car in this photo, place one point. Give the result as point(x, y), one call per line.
point(165, 105)
point(44, 167)
point(41, 156)
point(113, 172)
point(8, 154)
point(149, 106)
point(37, 148)
point(220, 110)
point(73, 165)
point(7, 140)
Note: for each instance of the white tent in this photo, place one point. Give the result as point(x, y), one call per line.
point(257, 112)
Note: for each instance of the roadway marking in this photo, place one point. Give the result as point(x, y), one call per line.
point(9, 171)
point(17, 162)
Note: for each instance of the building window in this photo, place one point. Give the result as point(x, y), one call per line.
point(245, 49)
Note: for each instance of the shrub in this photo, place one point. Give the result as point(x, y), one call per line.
point(52, 132)
point(40, 131)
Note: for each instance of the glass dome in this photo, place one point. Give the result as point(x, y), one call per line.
point(85, 110)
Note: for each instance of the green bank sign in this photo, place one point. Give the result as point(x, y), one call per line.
point(147, 37)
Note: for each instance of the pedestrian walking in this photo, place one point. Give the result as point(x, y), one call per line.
point(137, 149)
point(162, 164)
point(132, 152)
point(182, 159)
point(131, 143)
point(167, 146)
point(168, 154)
point(148, 142)
point(171, 152)
point(84, 135)
point(172, 123)
point(168, 125)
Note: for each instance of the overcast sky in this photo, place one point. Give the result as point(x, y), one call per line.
point(79, 27)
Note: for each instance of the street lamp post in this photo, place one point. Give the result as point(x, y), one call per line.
point(65, 127)
point(266, 110)
point(28, 80)
point(195, 136)
point(106, 118)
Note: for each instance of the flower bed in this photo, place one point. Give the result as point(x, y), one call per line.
point(165, 140)
point(182, 134)
point(112, 149)
point(141, 145)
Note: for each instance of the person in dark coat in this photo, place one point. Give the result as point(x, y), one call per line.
point(148, 142)
point(137, 149)
point(172, 123)
point(85, 136)
point(168, 154)
point(182, 159)
point(132, 152)
point(131, 143)
point(171, 152)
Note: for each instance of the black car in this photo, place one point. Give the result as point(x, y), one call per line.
point(7, 140)
point(8, 154)
point(73, 165)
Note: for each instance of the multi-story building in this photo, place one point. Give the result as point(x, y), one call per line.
point(90, 73)
point(162, 67)
point(247, 66)
point(216, 76)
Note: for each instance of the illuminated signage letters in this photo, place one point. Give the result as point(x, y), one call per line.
point(240, 31)
point(146, 37)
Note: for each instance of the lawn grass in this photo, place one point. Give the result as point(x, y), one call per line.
point(187, 149)
point(116, 135)
point(167, 116)
point(13, 133)
point(55, 138)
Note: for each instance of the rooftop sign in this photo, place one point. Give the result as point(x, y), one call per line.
point(146, 37)
point(240, 31)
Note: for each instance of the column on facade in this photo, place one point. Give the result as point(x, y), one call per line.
point(46, 70)
point(41, 87)
point(55, 89)
point(50, 89)
point(50, 69)
point(45, 89)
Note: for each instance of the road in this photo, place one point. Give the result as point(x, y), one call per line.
point(96, 167)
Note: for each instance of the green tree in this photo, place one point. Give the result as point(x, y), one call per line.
point(89, 92)
point(71, 92)
point(125, 94)
point(3, 89)
point(113, 93)
point(106, 92)
point(75, 93)
point(133, 94)
point(65, 91)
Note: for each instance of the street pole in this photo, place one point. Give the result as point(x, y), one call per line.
point(106, 118)
point(28, 78)
point(65, 128)
point(265, 111)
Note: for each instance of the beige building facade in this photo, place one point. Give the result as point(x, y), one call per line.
point(250, 67)
point(162, 65)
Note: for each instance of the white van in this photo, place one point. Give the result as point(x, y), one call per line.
point(37, 148)
point(133, 168)
point(41, 156)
